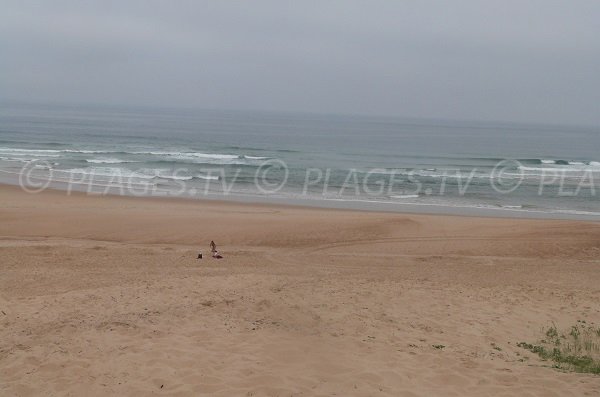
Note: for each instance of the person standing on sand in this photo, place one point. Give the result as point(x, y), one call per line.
point(213, 249)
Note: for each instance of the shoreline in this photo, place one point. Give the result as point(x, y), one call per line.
point(373, 206)
point(188, 213)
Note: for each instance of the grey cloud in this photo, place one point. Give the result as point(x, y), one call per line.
point(498, 60)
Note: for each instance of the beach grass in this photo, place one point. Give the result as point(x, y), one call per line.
point(576, 348)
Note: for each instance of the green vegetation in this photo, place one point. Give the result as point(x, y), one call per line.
point(575, 349)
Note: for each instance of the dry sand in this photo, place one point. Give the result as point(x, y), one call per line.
point(104, 296)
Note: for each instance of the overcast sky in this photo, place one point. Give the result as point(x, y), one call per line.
point(485, 60)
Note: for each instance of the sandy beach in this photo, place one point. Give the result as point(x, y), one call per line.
point(104, 296)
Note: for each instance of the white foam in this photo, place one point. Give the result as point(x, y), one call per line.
point(30, 155)
point(254, 157)
point(18, 150)
point(430, 173)
point(108, 172)
point(208, 177)
point(405, 196)
point(562, 169)
point(175, 177)
point(192, 154)
point(194, 157)
point(188, 178)
point(108, 161)
point(201, 158)
point(87, 151)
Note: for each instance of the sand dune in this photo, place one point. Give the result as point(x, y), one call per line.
point(104, 296)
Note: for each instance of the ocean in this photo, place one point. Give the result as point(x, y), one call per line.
point(380, 163)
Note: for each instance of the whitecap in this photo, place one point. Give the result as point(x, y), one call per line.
point(109, 161)
point(208, 177)
point(174, 177)
point(108, 172)
point(405, 196)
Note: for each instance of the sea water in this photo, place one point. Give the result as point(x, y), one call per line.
point(325, 160)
